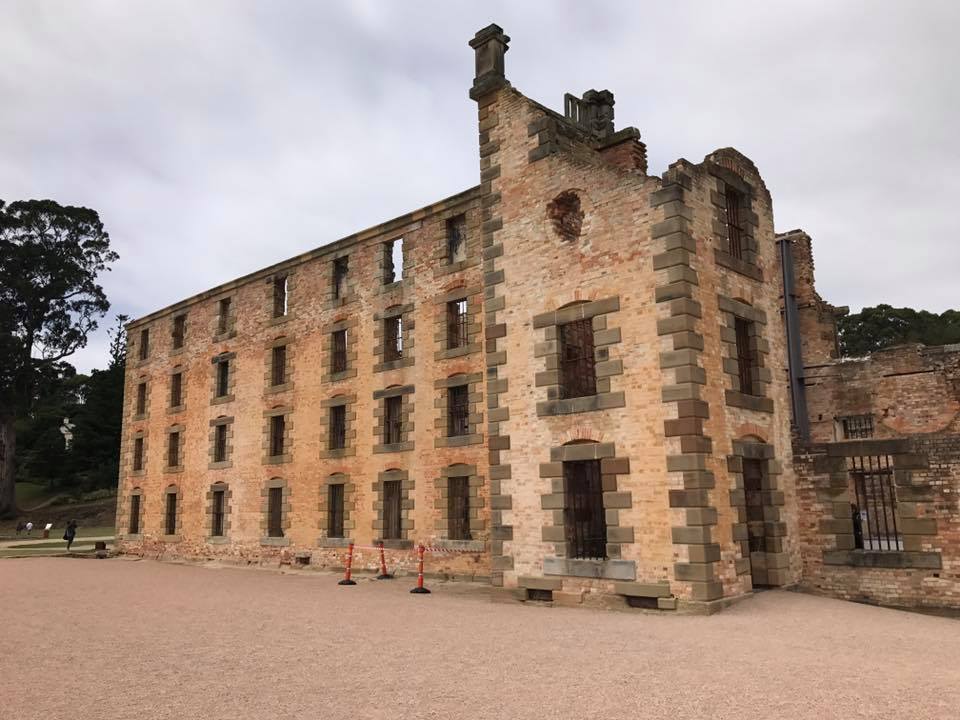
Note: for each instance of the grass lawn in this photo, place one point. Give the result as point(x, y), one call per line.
point(31, 494)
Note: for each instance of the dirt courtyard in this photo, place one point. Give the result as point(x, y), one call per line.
point(88, 639)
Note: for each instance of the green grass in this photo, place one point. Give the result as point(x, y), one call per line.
point(8, 532)
point(31, 494)
point(52, 544)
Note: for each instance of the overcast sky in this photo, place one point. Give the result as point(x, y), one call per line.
point(215, 138)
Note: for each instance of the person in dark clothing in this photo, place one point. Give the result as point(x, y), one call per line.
point(21, 526)
point(70, 533)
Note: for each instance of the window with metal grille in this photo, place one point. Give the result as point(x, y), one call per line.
point(335, 510)
point(578, 372)
point(392, 419)
point(144, 344)
point(223, 377)
point(138, 453)
point(458, 410)
point(392, 261)
point(220, 443)
point(753, 493)
point(173, 449)
point(857, 427)
point(457, 239)
point(278, 365)
point(219, 504)
point(176, 389)
point(338, 427)
point(874, 510)
point(280, 296)
point(734, 224)
point(391, 510)
point(141, 398)
point(393, 338)
point(179, 331)
point(134, 515)
point(583, 514)
point(278, 425)
point(458, 508)
point(456, 323)
point(338, 351)
point(170, 516)
point(223, 319)
point(341, 267)
point(275, 512)
point(743, 329)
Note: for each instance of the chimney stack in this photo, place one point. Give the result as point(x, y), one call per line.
point(490, 45)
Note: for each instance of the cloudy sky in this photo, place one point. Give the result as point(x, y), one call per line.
point(215, 138)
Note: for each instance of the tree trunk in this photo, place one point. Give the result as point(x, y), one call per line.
point(8, 445)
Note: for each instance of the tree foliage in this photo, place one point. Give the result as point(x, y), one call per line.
point(875, 328)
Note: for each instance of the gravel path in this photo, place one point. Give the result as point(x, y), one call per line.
point(88, 639)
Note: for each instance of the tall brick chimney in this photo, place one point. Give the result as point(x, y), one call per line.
point(490, 45)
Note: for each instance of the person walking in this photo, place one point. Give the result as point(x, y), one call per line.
point(21, 526)
point(70, 533)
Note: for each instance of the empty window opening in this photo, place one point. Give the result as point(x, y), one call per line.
point(280, 296)
point(173, 449)
point(144, 344)
point(170, 516)
point(457, 239)
point(856, 427)
point(176, 389)
point(219, 505)
point(134, 528)
point(458, 508)
point(335, 497)
point(745, 356)
point(647, 603)
point(141, 398)
point(753, 498)
point(458, 410)
point(539, 595)
point(392, 261)
point(223, 318)
point(583, 515)
point(275, 512)
point(340, 268)
point(220, 443)
point(392, 419)
point(734, 202)
point(278, 425)
point(578, 370)
point(138, 453)
point(278, 365)
point(393, 338)
point(338, 427)
point(179, 331)
point(456, 324)
point(223, 378)
point(874, 509)
point(338, 351)
point(391, 510)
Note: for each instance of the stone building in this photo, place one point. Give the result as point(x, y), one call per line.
point(568, 380)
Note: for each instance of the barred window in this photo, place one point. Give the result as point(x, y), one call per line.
point(458, 508)
point(392, 419)
point(734, 202)
point(223, 377)
point(144, 344)
point(338, 351)
point(275, 512)
point(278, 365)
point(278, 425)
point(176, 389)
point(874, 510)
point(173, 449)
point(179, 331)
point(338, 427)
point(578, 372)
point(340, 269)
point(141, 398)
point(138, 453)
point(457, 239)
point(134, 528)
point(393, 338)
point(280, 296)
point(857, 427)
point(335, 510)
point(220, 443)
point(391, 510)
point(458, 410)
point(170, 516)
point(745, 357)
point(223, 318)
point(219, 505)
point(456, 323)
point(583, 516)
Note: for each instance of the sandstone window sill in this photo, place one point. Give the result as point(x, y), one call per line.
point(342, 375)
point(394, 544)
point(458, 352)
point(457, 441)
point(333, 542)
point(223, 337)
point(394, 447)
point(393, 364)
point(222, 399)
point(274, 541)
point(473, 546)
point(605, 569)
point(280, 319)
point(133, 537)
point(275, 389)
point(725, 259)
point(170, 538)
point(735, 398)
point(176, 409)
point(218, 540)
point(891, 559)
point(173, 469)
point(277, 459)
point(138, 473)
point(590, 403)
point(221, 465)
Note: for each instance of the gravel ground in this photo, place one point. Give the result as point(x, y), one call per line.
point(87, 639)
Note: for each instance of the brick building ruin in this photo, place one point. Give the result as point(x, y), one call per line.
point(570, 380)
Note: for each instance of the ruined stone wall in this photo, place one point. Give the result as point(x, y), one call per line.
point(422, 461)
